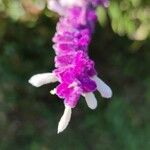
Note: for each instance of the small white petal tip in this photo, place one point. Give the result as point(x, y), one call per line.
point(90, 100)
point(65, 119)
point(53, 92)
point(41, 79)
point(103, 88)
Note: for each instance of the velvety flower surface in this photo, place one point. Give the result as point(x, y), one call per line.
point(74, 70)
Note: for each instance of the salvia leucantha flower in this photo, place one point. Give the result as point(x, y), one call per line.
point(74, 71)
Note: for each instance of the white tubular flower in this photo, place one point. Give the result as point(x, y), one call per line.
point(103, 88)
point(90, 100)
point(65, 119)
point(55, 6)
point(43, 78)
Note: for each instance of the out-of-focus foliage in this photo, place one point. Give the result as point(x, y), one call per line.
point(128, 17)
point(121, 50)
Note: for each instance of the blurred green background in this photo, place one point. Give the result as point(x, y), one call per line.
point(121, 51)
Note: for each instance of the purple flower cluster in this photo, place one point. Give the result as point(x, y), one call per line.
point(74, 71)
point(74, 68)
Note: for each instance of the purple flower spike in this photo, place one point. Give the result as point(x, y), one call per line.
point(74, 70)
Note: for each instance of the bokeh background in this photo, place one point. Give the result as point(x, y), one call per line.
point(121, 51)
